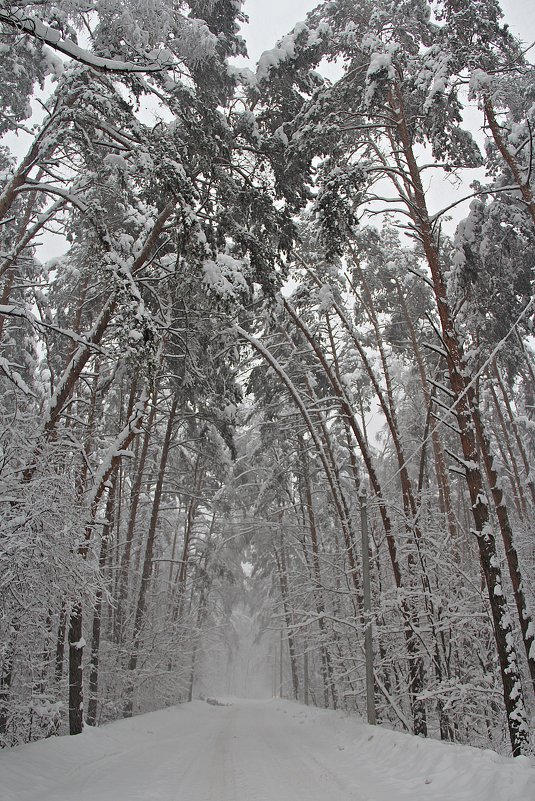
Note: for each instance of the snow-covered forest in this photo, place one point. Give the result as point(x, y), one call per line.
point(267, 409)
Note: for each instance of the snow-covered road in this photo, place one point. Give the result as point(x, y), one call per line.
point(256, 751)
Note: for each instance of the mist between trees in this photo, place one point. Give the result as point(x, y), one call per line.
point(184, 449)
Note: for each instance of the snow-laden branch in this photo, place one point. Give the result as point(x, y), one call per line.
point(24, 314)
point(14, 377)
point(31, 186)
point(16, 18)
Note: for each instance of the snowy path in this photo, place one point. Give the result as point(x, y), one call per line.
point(256, 751)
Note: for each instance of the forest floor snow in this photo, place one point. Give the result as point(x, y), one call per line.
point(256, 751)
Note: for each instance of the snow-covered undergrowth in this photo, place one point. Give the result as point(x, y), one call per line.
point(257, 751)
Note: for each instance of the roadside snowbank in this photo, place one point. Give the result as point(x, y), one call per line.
point(424, 769)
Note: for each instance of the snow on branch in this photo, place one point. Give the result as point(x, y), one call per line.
point(14, 377)
point(33, 27)
point(33, 186)
point(25, 314)
point(286, 48)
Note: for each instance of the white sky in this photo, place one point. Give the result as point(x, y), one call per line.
point(271, 19)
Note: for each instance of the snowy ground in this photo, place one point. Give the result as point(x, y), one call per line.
point(256, 751)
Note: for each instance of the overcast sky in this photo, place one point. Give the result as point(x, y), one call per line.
point(271, 19)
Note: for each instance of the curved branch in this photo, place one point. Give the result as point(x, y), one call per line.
point(33, 27)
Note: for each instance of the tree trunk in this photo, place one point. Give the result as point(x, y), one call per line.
point(468, 419)
point(60, 643)
point(509, 457)
point(520, 445)
point(178, 597)
point(76, 688)
point(416, 666)
point(6, 679)
point(147, 562)
point(97, 614)
point(326, 666)
point(107, 468)
point(124, 568)
point(281, 562)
